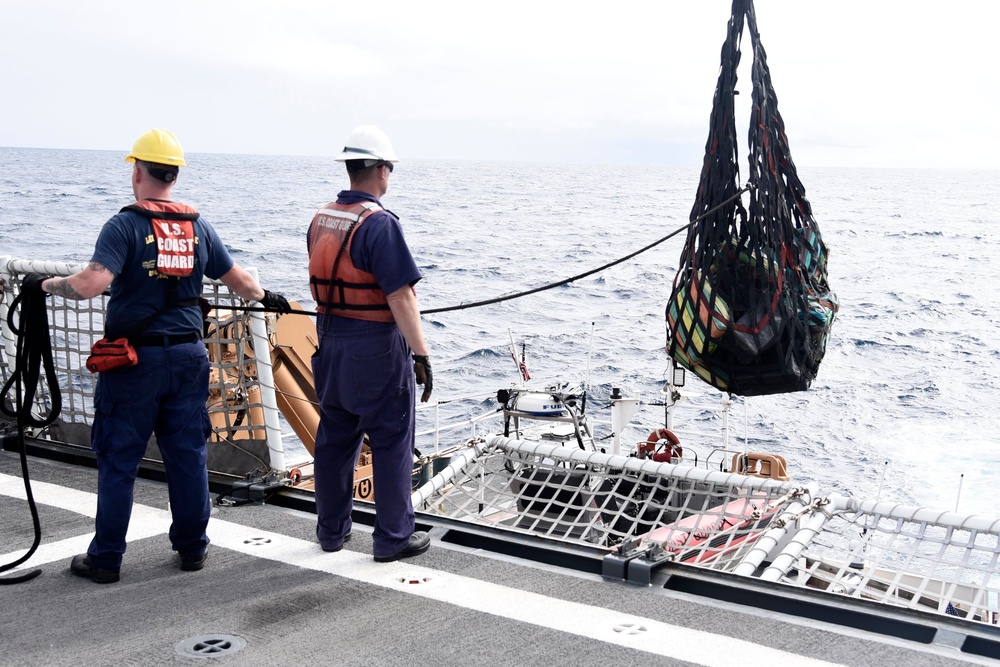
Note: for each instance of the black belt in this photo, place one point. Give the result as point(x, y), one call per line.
point(163, 341)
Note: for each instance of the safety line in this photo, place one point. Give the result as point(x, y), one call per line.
point(517, 295)
point(598, 623)
point(627, 257)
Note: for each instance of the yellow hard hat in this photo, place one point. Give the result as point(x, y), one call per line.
point(157, 146)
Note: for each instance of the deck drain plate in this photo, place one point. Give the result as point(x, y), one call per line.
point(630, 628)
point(210, 646)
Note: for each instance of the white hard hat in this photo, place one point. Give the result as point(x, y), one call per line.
point(368, 143)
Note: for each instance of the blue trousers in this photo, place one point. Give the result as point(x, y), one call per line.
point(363, 374)
point(164, 394)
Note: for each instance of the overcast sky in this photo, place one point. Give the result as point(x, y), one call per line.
point(894, 83)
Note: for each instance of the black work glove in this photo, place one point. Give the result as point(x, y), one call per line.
point(422, 369)
point(275, 302)
point(31, 284)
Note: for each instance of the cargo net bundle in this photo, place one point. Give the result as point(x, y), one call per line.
point(234, 403)
point(903, 556)
point(609, 502)
point(750, 310)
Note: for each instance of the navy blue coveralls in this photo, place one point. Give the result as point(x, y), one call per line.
point(363, 374)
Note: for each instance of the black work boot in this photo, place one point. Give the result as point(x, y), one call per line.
point(81, 567)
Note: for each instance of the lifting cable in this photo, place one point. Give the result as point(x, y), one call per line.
point(34, 348)
point(517, 295)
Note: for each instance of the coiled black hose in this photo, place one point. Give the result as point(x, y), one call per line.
point(34, 348)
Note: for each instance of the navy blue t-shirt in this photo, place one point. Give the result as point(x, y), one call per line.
point(126, 246)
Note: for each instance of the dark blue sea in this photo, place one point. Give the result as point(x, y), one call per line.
point(909, 388)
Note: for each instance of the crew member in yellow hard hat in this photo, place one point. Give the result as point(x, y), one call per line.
point(371, 350)
point(153, 255)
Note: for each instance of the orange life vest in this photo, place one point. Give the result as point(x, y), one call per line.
point(173, 228)
point(338, 286)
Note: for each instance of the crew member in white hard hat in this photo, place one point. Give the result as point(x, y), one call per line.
point(371, 352)
point(153, 255)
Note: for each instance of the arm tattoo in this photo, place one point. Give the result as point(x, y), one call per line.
point(61, 287)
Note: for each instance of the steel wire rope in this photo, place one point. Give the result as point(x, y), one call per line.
point(566, 281)
point(542, 288)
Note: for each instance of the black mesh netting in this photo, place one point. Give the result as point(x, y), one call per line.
point(750, 310)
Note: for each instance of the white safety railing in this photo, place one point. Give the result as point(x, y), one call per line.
point(606, 500)
point(241, 402)
point(915, 558)
point(904, 556)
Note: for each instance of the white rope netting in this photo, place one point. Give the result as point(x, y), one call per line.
point(235, 404)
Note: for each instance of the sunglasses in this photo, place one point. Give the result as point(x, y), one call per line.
point(385, 164)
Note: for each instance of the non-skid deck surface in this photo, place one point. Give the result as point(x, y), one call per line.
point(269, 584)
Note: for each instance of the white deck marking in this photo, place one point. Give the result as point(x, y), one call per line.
point(146, 521)
point(578, 619)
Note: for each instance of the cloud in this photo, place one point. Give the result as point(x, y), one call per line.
point(886, 83)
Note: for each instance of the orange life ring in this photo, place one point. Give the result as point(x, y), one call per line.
point(672, 450)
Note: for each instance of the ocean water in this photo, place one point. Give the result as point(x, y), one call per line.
point(905, 399)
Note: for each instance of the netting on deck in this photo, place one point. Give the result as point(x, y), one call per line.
point(235, 404)
point(905, 556)
point(603, 500)
point(778, 531)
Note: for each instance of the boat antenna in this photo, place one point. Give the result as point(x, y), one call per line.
point(746, 429)
point(959, 496)
point(885, 468)
point(522, 365)
point(586, 377)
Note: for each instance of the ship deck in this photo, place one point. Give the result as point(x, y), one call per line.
point(269, 596)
